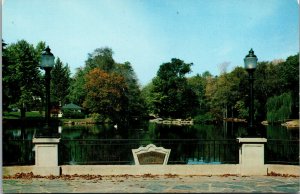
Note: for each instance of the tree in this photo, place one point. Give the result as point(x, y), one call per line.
point(21, 76)
point(102, 58)
point(133, 104)
point(279, 107)
point(226, 94)
point(172, 96)
point(77, 89)
point(5, 86)
point(106, 94)
point(198, 84)
point(148, 98)
point(136, 104)
point(289, 80)
point(60, 82)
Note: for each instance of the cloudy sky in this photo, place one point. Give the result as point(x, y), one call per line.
point(147, 33)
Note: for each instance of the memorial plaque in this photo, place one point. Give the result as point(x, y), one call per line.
point(151, 155)
point(151, 158)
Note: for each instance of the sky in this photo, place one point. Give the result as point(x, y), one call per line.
point(211, 34)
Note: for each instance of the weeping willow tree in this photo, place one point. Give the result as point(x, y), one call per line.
point(279, 108)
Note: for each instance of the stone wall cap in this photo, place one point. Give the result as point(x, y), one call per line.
point(46, 140)
point(251, 140)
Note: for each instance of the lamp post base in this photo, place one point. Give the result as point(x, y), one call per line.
point(47, 132)
point(254, 132)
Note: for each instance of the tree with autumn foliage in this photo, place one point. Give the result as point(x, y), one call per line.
point(109, 89)
point(106, 94)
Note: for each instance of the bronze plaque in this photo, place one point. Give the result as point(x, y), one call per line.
point(151, 158)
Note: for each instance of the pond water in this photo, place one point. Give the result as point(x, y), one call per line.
point(148, 130)
point(106, 144)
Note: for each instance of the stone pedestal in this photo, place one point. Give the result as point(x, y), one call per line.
point(251, 156)
point(46, 156)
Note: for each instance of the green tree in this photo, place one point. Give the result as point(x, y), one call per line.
point(60, 83)
point(172, 96)
point(289, 80)
point(148, 98)
point(101, 58)
point(136, 104)
point(77, 89)
point(279, 107)
point(5, 85)
point(226, 94)
point(266, 85)
point(197, 84)
point(21, 76)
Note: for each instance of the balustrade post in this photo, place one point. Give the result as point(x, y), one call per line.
point(46, 156)
point(251, 156)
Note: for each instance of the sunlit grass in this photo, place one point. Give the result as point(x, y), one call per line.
point(17, 115)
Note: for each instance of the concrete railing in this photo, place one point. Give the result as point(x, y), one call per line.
point(251, 162)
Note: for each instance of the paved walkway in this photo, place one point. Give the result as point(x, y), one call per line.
point(152, 184)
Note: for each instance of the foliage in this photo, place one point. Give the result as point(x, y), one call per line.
point(289, 80)
point(77, 91)
point(60, 83)
point(279, 107)
point(172, 96)
point(136, 104)
point(147, 96)
point(119, 96)
point(98, 118)
point(204, 118)
point(111, 90)
point(198, 84)
point(101, 58)
point(241, 109)
point(73, 114)
point(22, 81)
point(106, 93)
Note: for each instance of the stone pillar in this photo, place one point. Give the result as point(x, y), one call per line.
point(251, 156)
point(46, 156)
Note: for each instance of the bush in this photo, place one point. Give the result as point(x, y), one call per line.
point(96, 117)
point(73, 114)
point(205, 118)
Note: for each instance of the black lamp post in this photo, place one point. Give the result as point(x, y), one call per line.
point(250, 65)
point(47, 63)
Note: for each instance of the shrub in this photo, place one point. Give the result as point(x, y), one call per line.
point(204, 118)
point(96, 117)
point(73, 114)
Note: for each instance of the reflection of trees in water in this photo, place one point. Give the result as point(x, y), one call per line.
point(282, 151)
point(18, 152)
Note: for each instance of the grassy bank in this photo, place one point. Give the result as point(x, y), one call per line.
point(17, 115)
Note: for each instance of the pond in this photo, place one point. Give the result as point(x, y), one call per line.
point(106, 144)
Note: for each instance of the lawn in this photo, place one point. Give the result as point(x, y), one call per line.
point(33, 115)
point(17, 115)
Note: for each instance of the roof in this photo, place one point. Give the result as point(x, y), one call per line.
point(72, 106)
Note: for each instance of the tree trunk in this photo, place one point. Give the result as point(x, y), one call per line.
point(23, 113)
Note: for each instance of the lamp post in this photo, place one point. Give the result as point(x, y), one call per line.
point(250, 65)
point(47, 63)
